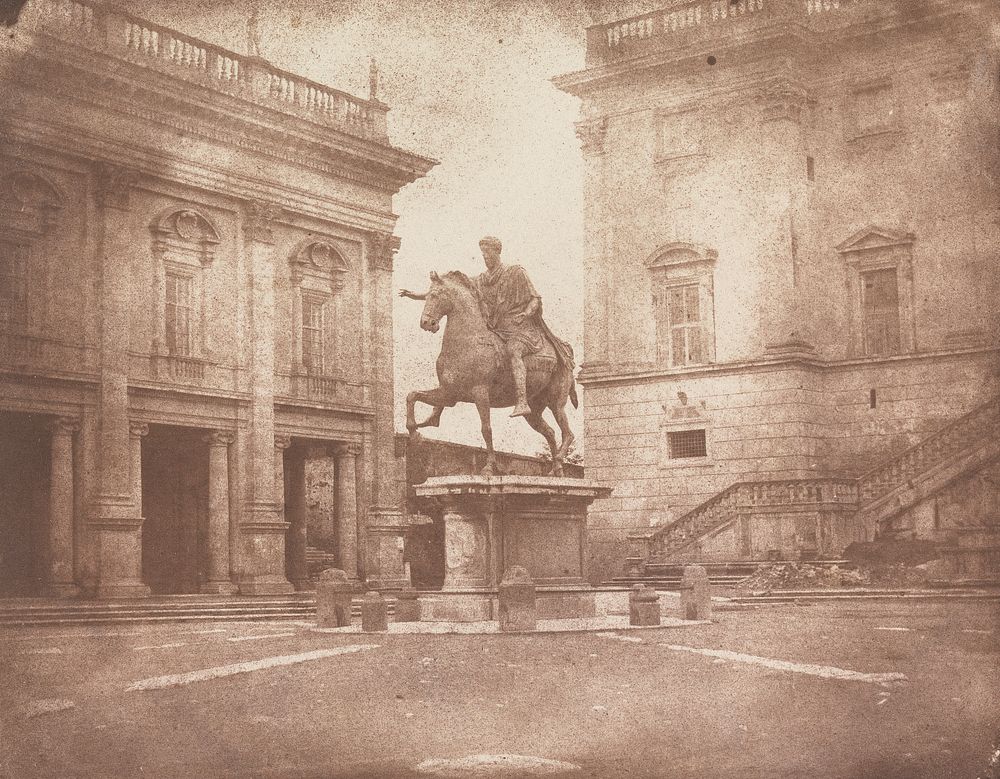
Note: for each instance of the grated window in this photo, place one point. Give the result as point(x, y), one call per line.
point(687, 443)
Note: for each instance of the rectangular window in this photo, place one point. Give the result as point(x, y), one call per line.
point(312, 335)
point(678, 135)
point(178, 312)
point(874, 109)
point(880, 307)
point(685, 325)
point(686, 444)
point(13, 270)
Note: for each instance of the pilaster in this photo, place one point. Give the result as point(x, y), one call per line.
point(60, 580)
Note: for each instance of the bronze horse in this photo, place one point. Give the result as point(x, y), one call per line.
point(472, 368)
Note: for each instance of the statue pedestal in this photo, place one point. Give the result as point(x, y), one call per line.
point(494, 522)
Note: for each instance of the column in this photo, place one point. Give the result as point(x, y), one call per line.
point(218, 514)
point(385, 523)
point(116, 516)
point(60, 580)
point(262, 529)
point(296, 566)
point(347, 507)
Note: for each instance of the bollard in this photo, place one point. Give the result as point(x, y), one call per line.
point(517, 600)
point(374, 613)
point(407, 606)
point(696, 593)
point(643, 606)
point(333, 599)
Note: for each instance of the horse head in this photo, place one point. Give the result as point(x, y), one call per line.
point(436, 305)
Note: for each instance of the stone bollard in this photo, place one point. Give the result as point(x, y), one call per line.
point(696, 593)
point(643, 606)
point(374, 613)
point(333, 599)
point(517, 600)
point(407, 606)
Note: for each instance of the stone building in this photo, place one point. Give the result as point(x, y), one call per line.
point(792, 235)
point(195, 313)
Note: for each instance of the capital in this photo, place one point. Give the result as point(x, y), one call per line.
point(113, 184)
point(345, 449)
point(282, 442)
point(592, 133)
point(382, 247)
point(258, 220)
point(138, 429)
point(219, 438)
point(784, 99)
point(64, 426)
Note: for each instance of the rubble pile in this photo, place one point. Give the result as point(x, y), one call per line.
point(805, 576)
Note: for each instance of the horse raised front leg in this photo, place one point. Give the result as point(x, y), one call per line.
point(437, 397)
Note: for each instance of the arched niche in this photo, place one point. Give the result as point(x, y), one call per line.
point(29, 203)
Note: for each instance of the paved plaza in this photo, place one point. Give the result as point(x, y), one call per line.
point(855, 690)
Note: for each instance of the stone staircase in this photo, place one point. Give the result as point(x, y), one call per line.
point(871, 500)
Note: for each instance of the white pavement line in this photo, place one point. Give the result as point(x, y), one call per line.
point(46, 706)
point(175, 680)
point(823, 671)
point(980, 632)
point(203, 632)
point(254, 638)
point(901, 630)
point(618, 637)
point(160, 646)
point(48, 650)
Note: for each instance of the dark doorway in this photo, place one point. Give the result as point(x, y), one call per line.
point(425, 554)
point(175, 507)
point(25, 451)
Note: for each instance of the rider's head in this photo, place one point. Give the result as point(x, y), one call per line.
point(490, 248)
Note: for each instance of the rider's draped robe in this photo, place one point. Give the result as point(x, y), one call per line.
point(505, 292)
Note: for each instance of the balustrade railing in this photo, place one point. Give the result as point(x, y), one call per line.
point(975, 428)
point(980, 424)
point(95, 25)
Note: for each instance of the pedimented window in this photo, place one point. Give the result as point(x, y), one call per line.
point(879, 267)
point(682, 295)
point(183, 247)
point(318, 272)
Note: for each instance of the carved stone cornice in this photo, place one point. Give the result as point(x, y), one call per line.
point(592, 134)
point(113, 185)
point(138, 429)
point(219, 438)
point(282, 442)
point(258, 220)
point(382, 247)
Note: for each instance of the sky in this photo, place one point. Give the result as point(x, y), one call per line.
point(468, 84)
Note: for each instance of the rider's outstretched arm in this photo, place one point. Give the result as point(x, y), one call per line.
point(405, 293)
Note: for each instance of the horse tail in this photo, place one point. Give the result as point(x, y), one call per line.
point(572, 393)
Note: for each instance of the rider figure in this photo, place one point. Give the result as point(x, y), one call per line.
point(511, 307)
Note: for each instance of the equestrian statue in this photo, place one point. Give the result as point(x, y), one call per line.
point(496, 352)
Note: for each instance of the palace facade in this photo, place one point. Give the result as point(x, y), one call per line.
point(792, 237)
point(196, 360)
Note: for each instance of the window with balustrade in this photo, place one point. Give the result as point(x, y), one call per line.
point(13, 272)
point(318, 274)
point(681, 280)
point(178, 312)
point(313, 333)
point(184, 243)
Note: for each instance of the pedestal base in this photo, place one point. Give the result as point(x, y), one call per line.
point(121, 589)
point(61, 590)
point(265, 585)
point(458, 607)
point(219, 588)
